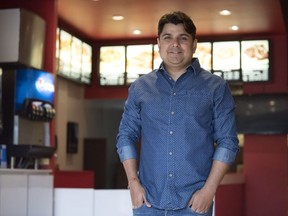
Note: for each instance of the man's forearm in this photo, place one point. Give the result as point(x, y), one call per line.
point(130, 167)
point(218, 170)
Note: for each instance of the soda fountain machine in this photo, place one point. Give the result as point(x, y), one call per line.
point(29, 109)
point(27, 90)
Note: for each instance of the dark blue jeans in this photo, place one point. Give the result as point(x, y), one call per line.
point(145, 211)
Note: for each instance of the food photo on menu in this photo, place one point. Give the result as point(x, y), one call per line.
point(255, 60)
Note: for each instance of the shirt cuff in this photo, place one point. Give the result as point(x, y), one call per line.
point(127, 152)
point(225, 155)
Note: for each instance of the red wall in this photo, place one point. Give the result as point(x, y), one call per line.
point(266, 156)
point(229, 200)
point(265, 169)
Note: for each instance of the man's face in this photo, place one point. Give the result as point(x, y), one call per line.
point(176, 46)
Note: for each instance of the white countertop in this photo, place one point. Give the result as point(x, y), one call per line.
point(25, 171)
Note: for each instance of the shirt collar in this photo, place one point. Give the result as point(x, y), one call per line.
point(194, 67)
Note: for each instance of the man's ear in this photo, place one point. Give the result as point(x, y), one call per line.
point(195, 45)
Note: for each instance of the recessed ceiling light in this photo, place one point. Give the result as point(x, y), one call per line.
point(118, 17)
point(234, 28)
point(137, 32)
point(225, 12)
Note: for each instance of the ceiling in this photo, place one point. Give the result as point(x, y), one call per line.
point(94, 18)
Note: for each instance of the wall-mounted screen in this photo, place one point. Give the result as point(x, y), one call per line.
point(139, 61)
point(156, 57)
point(226, 60)
point(234, 61)
point(64, 64)
point(74, 57)
point(112, 65)
point(204, 54)
point(86, 63)
point(255, 60)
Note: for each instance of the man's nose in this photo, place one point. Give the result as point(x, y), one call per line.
point(175, 42)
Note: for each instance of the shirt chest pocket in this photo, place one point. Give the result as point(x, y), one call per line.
point(198, 104)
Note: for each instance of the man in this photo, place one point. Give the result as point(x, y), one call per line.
point(185, 118)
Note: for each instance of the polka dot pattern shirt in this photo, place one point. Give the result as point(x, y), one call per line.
point(184, 125)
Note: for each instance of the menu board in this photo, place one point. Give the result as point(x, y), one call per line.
point(86, 63)
point(226, 60)
point(112, 65)
point(204, 54)
point(234, 61)
point(74, 57)
point(255, 60)
point(64, 64)
point(156, 57)
point(139, 61)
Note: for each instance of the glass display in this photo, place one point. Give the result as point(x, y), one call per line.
point(156, 57)
point(74, 57)
point(112, 65)
point(34, 84)
point(204, 54)
point(226, 60)
point(139, 61)
point(234, 61)
point(255, 60)
point(86, 63)
point(65, 53)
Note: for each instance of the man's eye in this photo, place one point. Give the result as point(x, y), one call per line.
point(184, 38)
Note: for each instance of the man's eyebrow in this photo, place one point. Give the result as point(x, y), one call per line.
point(182, 34)
point(185, 34)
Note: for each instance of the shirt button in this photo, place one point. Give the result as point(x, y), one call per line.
point(171, 132)
point(170, 153)
point(170, 175)
point(172, 112)
point(174, 93)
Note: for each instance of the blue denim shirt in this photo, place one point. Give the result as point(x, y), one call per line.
point(184, 125)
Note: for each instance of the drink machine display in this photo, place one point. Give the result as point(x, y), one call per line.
point(29, 110)
point(34, 95)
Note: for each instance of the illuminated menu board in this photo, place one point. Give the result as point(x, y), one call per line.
point(204, 54)
point(255, 60)
point(74, 57)
point(112, 65)
point(139, 61)
point(64, 64)
point(234, 61)
point(156, 57)
point(86, 63)
point(226, 60)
